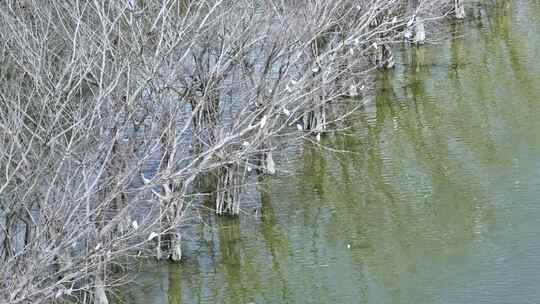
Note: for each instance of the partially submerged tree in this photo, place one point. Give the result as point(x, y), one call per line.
point(113, 110)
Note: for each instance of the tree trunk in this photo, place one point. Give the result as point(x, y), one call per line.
point(100, 297)
point(228, 190)
point(315, 120)
point(176, 247)
point(460, 9)
point(420, 31)
point(269, 165)
point(266, 160)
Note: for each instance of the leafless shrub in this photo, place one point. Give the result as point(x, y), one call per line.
point(111, 110)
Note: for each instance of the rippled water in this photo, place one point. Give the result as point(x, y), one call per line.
point(437, 200)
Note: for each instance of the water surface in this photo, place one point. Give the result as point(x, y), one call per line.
point(435, 201)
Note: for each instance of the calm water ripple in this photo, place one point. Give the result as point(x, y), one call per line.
point(437, 203)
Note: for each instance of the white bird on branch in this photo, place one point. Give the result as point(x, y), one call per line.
point(152, 236)
point(145, 180)
point(286, 112)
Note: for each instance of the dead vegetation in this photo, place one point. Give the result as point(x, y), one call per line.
point(113, 110)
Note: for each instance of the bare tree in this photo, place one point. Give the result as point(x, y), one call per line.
point(113, 110)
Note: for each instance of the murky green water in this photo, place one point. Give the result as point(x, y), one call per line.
point(437, 202)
